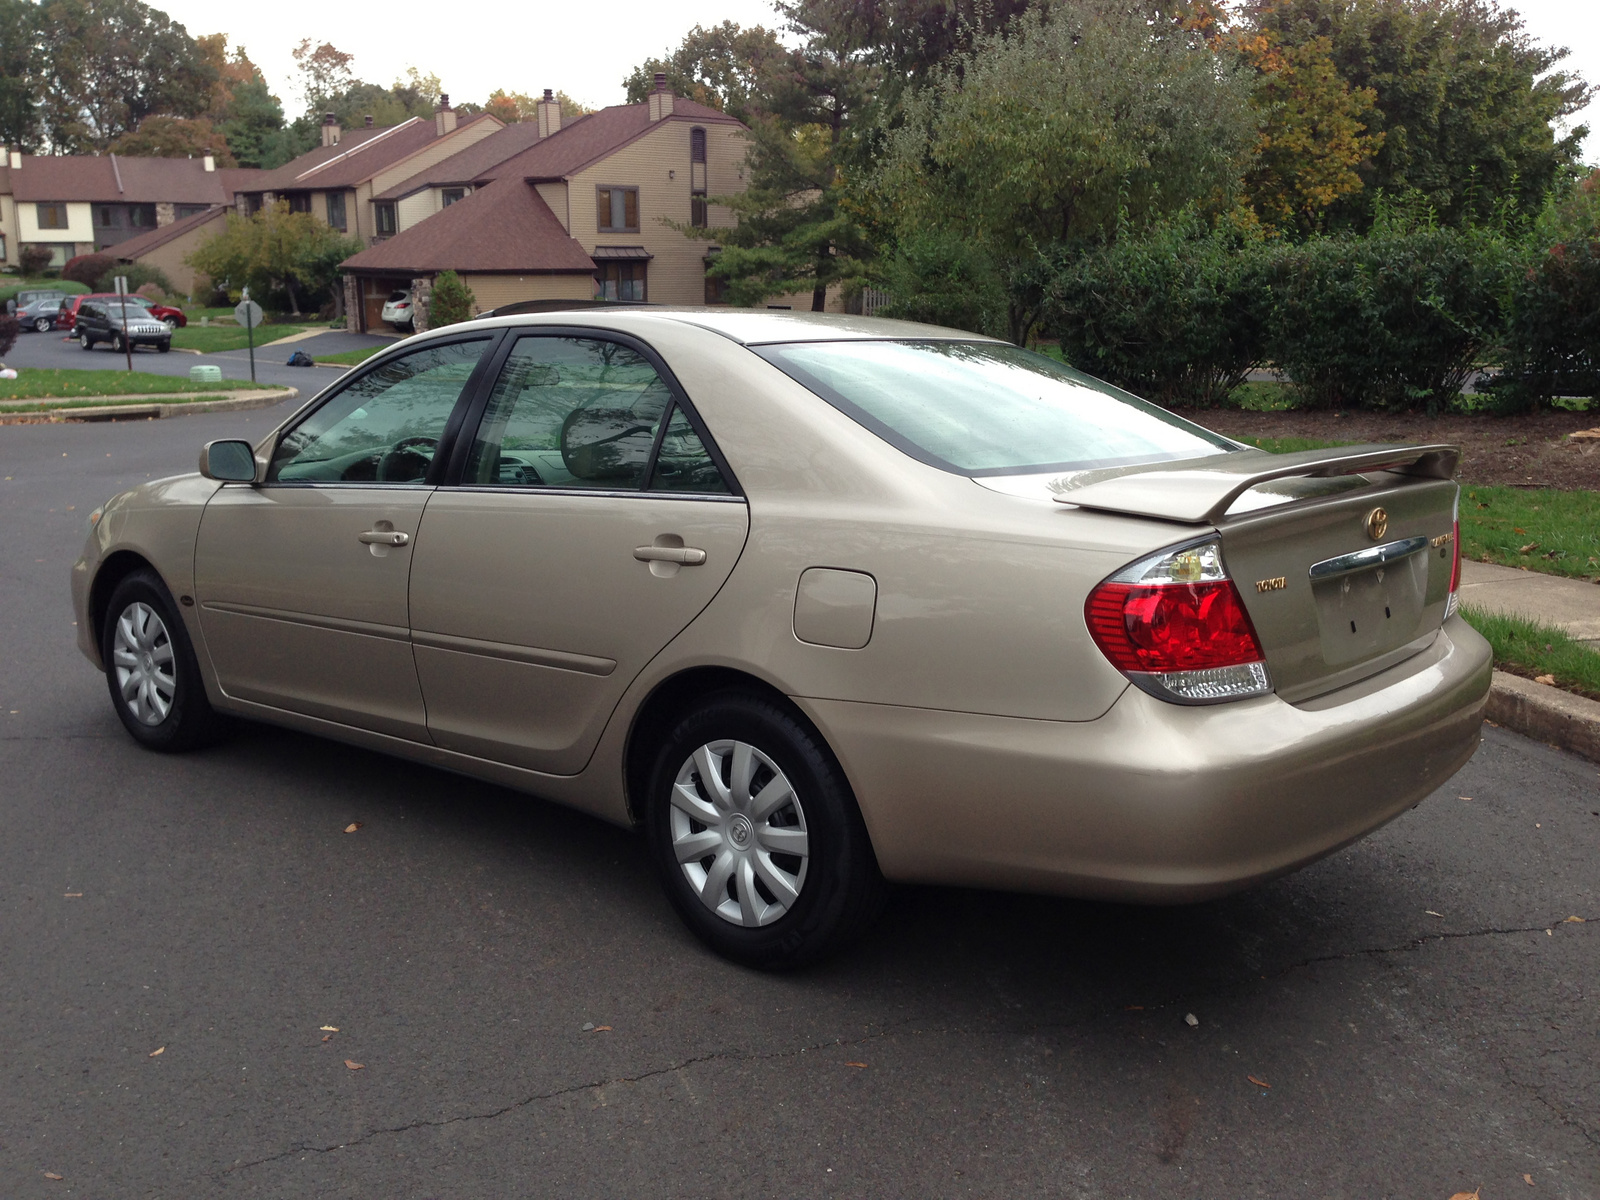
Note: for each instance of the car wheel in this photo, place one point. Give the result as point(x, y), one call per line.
point(86, 341)
point(116, 343)
point(42, 325)
point(756, 835)
point(164, 346)
point(170, 322)
point(151, 669)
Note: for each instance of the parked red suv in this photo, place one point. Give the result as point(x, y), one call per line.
point(67, 316)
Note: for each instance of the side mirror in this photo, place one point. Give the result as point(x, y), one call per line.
point(230, 461)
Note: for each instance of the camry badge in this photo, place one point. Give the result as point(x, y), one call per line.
point(1275, 584)
point(1377, 524)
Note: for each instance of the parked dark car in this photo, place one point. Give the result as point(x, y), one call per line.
point(101, 322)
point(67, 317)
point(38, 313)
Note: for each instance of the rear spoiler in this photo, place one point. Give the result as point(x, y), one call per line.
point(1199, 491)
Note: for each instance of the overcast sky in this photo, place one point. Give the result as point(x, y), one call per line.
point(585, 49)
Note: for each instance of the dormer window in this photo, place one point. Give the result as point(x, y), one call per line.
point(697, 178)
point(618, 209)
point(449, 196)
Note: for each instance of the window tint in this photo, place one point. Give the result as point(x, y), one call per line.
point(385, 426)
point(986, 409)
point(569, 412)
point(683, 464)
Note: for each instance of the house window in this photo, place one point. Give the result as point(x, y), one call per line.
point(300, 202)
point(336, 210)
point(142, 216)
point(620, 281)
point(51, 215)
point(253, 203)
point(383, 217)
point(106, 216)
point(697, 179)
point(450, 195)
point(619, 209)
point(189, 210)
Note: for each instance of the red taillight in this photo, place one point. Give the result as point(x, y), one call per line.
point(1172, 626)
point(1455, 562)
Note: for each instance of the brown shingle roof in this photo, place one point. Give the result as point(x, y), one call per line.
point(594, 136)
point(133, 247)
point(503, 227)
point(473, 163)
point(360, 154)
point(115, 179)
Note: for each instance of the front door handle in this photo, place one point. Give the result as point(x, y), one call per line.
point(383, 537)
point(684, 556)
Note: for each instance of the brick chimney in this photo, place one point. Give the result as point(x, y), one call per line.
point(444, 117)
point(368, 119)
point(330, 129)
point(210, 161)
point(660, 99)
point(16, 160)
point(548, 111)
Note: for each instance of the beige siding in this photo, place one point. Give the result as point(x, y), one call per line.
point(169, 256)
point(491, 291)
point(435, 151)
point(555, 196)
point(801, 301)
point(8, 227)
point(658, 165)
point(80, 227)
point(416, 207)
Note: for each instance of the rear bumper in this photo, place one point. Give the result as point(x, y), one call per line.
point(1153, 801)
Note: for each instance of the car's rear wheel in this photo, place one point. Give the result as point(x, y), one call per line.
point(42, 325)
point(116, 342)
point(151, 668)
point(757, 837)
point(86, 341)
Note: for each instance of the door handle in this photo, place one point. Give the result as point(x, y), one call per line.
point(383, 537)
point(685, 556)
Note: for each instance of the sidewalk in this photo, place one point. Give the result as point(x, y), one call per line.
point(1535, 710)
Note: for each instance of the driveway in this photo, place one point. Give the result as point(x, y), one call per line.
point(208, 988)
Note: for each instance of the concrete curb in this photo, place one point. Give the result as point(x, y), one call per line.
point(227, 402)
point(1546, 714)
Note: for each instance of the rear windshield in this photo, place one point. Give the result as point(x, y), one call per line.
point(981, 408)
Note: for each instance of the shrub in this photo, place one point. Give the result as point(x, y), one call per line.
point(9, 328)
point(88, 269)
point(1552, 343)
point(1396, 320)
point(1177, 315)
point(138, 274)
point(944, 280)
point(452, 301)
point(33, 259)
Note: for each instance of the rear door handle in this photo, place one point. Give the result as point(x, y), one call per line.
point(686, 556)
point(383, 537)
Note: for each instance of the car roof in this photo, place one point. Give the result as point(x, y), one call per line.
point(748, 327)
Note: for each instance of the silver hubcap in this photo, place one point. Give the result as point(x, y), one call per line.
point(739, 833)
point(141, 655)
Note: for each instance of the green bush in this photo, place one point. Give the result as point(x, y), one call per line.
point(88, 268)
point(1177, 315)
point(452, 301)
point(33, 259)
point(138, 275)
point(1396, 320)
point(944, 280)
point(1552, 344)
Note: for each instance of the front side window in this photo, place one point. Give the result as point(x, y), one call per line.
point(983, 408)
point(383, 217)
point(620, 281)
point(336, 210)
point(51, 215)
point(384, 427)
point(618, 209)
point(583, 413)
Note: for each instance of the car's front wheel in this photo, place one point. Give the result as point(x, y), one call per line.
point(116, 342)
point(151, 668)
point(164, 346)
point(756, 835)
point(86, 341)
point(42, 325)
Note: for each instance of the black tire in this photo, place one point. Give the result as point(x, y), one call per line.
point(42, 325)
point(163, 346)
point(840, 890)
point(116, 343)
point(189, 720)
point(86, 341)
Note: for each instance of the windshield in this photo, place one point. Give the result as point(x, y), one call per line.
point(984, 408)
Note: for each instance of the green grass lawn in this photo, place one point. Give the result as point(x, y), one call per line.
point(69, 385)
point(210, 339)
point(351, 357)
point(1544, 530)
point(1531, 649)
point(1289, 445)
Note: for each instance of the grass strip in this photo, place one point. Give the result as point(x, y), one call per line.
point(1288, 445)
point(211, 339)
point(350, 358)
point(1544, 530)
point(69, 384)
point(1531, 648)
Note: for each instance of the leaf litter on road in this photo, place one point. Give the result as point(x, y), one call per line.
point(1259, 1082)
point(355, 1066)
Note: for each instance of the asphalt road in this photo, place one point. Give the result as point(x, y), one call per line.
point(177, 932)
point(56, 350)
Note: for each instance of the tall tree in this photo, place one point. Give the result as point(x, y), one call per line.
point(111, 64)
point(21, 57)
point(275, 250)
point(175, 137)
point(512, 107)
point(723, 67)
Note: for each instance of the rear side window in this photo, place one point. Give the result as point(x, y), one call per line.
point(982, 408)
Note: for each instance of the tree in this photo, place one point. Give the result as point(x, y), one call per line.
point(275, 250)
point(324, 72)
point(21, 54)
point(1061, 131)
point(1464, 98)
point(255, 129)
point(175, 137)
point(724, 67)
point(112, 63)
point(87, 268)
point(512, 107)
point(451, 302)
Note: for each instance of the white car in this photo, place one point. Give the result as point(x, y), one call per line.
point(397, 310)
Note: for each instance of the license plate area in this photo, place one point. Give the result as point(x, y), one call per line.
point(1362, 614)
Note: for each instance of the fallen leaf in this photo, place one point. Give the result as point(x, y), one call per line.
point(330, 1029)
point(855, 1064)
point(157, 1051)
point(355, 1066)
point(327, 1037)
point(1528, 549)
point(1431, 913)
point(1259, 1082)
point(1574, 920)
point(1463, 797)
point(1134, 1008)
point(1472, 1195)
point(602, 1029)
point(1544, 679)
point(352, 827)
point(1528, 1179)
point(51, 1175)
point(72, 895)
point(1192, 1021)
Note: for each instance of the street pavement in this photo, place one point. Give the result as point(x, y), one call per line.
point(56, 350)
point(1412, 1018)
